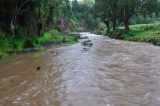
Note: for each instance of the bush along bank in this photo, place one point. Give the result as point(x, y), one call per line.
point(34, 43)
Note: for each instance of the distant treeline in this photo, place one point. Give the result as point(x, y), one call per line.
point(34, 17)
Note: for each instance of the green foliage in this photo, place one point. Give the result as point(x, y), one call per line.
point(84, 16)
point(143, 20)
point(45, 38)
point(75, 21)
point(144, 33)
point(21, 32)
point(116, 33)
point(3, 54)
point(23, 43)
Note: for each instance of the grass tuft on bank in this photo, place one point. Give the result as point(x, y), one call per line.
point(143, 33)
point(140, 33)
point(8, 45)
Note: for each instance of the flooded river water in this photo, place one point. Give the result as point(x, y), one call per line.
point(107, 73)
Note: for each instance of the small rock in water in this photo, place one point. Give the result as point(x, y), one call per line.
point(156, 43)
point(86, 37)
point(90, 44)
point(87, 43)
point(85, 49)
point(52, 52)
point(12, 81)
point(38, 68)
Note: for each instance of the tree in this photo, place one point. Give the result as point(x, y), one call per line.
point(10, 10)
point(128, 9)
point(109, 12)
point(33, 15)
point(116, 11)
point(113, 12)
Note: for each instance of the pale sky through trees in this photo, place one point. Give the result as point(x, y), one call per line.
point(77, 0)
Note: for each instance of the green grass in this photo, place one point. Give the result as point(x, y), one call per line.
point(143, 33)
point(57, 38)
point(32, 42)
point(139, 33)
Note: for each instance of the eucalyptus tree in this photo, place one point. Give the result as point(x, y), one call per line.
point(113, 11)
point(109, 12)
point(9, 12)
point(117, 11)
point(102, 12)
point(32, 15)
point(44, 14)
point(128, 8)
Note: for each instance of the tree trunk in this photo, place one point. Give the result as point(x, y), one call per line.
point(126, 19)
point(39, 25)
point(107, 24)
point(108, 29)
point(12, 27)
point(114, 25)
point(126, 25)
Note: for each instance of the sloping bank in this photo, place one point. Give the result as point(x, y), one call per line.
point(32, 43)
point(140, 33)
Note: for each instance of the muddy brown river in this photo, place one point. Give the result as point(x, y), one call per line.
point(107, 73)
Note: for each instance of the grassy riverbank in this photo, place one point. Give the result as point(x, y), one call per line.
point(34, 43)
point(140, 32)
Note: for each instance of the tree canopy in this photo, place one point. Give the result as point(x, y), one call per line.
point(116, 11)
